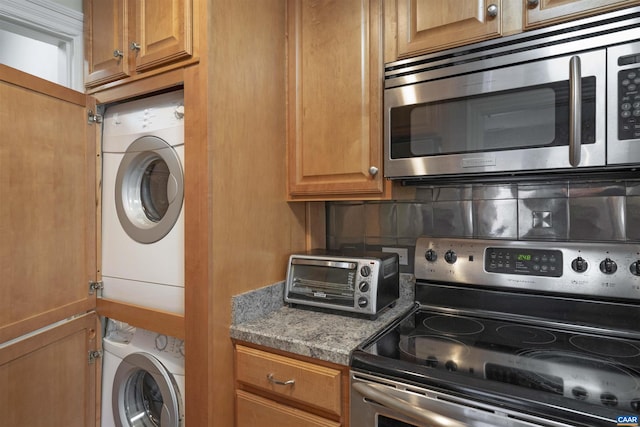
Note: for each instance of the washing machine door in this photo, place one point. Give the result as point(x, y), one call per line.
point(145, 394)
point(149, 189)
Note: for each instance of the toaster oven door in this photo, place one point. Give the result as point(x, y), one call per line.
point(327, 281)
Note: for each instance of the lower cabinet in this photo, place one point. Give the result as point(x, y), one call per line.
point(274, 388)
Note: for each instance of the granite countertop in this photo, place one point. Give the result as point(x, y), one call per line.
point(261, 317)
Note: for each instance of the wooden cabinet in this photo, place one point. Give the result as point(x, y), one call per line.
point(416, 27)
point(125, 38)
point(545, 12)
point(288, 391)
point(335, 77)
point(48, 167)
point(49, 378)
point(431, 25)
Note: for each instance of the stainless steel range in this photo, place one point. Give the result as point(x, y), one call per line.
point(508, 333)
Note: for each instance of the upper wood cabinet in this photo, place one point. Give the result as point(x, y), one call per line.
point(546, 12)
point(125, 38)
point(416, 27)
point(335, 77)
point(430, 25)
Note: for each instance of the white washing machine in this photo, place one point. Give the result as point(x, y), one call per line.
point(142, 378)
point(142, 202)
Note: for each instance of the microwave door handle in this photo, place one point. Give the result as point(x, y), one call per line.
point(430, 418)
point(575, 111)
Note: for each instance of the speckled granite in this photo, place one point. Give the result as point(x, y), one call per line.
point(260, 317)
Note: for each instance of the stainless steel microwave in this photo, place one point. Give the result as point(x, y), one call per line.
point(563, 99)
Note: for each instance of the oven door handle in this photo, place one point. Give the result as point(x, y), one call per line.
point(432, 419)
point(575, 111)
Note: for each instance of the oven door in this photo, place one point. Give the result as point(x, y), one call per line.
point(540, 115)
point(380, 402)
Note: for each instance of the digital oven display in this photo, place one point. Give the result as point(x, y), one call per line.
point(530, 262)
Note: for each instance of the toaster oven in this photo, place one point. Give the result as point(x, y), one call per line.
point(355, 282)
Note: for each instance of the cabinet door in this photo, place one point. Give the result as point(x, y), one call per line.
point(252, 410)
point(432, 25)
point(47, 379)
point(335, 77)
point(545, 12)
point(48, 204)
point(106, 50)
point(162, 32)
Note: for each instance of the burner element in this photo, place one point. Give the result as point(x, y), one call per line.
point(604, 346)
point(430, 350)
point(525, 334)
point(453, 325)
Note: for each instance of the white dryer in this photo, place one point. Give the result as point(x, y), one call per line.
point(142, 378)
point(142, 202)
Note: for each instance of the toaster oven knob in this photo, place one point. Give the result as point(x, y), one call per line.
point(635, 268)
point(608, 266)
point(363, 286)
point(363, 302)
point(431, 255)
point(450, 256)
point(579, 265)
point(365, 270)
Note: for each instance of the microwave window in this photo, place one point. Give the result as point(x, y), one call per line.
point(507, 120)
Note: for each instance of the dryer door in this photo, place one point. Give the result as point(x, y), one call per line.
point(145, 394)
point(149, 189)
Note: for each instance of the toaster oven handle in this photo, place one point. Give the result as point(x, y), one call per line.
point(325, 263)
point(575, 111)
point(432, 419)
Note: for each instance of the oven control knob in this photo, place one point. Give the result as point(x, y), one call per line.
point(363, 302)
point(363, 286)
point(579, 393)
point(608, 266)
point(451, 366)
point(608, 399)
point(635, 268)
point(365, 270)
point(579, 265)
point(450, 256)
point(431, 255)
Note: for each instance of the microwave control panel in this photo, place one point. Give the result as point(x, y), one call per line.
point(629, 103)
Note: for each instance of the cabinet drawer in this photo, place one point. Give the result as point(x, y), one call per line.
point(253, 410)
point(312, 384)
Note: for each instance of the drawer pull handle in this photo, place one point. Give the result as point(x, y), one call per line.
point(272, 380)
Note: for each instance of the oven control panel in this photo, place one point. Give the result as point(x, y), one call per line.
point(585, 268)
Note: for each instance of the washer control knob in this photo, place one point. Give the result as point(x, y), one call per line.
point(608, 266)
point(161, 342)
point(363, 302)
point(431, 255)
point(635, 268)
point(179, 112)
point(635, 405)
point(450, 256)
point(579, 265)
point(451, 366)
point(363, 286)
point(365, 271)
point(432, 361)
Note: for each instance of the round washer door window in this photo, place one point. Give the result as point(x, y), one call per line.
point(145, 394)
point(149, 189)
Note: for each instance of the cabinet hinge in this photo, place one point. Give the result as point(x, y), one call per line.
point(96, 287)
point(93, 118)
point(93, 355)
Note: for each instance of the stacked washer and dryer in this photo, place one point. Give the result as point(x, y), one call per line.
point(143, 258)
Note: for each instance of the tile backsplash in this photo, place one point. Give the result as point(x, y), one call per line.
point(551, 211)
